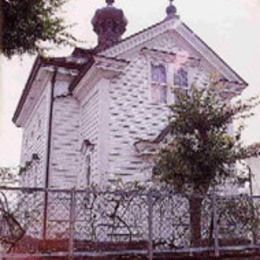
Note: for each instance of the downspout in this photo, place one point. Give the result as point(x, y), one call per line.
point(48, 158)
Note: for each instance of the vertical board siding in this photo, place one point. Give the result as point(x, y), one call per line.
point(113, 115)
point(90, 123)
point(34, 141)
point(65, 154)
point(133, 115)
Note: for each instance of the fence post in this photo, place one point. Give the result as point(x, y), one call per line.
point(150, 225)
point(215, 224)
point(72, 222)
point(253, 242)
point(45, 214)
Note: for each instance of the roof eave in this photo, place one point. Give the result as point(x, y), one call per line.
point(85, 69)
point(242, 81)
point(34, 71)
point(39, 63)
point(92, 62)
point(172, 23)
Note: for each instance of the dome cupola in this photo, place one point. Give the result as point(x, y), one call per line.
point(171, 11)
point(109, 23)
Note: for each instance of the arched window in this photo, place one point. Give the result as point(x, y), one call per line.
point(87, 152)
point(181, 78)
point(159, 73)
point(159, 83)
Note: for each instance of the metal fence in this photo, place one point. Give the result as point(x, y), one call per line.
point(74, 223)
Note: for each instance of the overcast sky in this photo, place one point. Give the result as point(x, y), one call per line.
point(230, 27)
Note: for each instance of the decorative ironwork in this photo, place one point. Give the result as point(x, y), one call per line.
point(89, 222)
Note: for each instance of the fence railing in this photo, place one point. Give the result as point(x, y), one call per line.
point(70, 223)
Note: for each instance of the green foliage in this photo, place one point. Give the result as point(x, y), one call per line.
point(8, 176)
point(241, 215)
point(27, 23)
point(202, 153)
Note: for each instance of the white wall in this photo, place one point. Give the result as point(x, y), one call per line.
point(89, 130)
point(94, 123)
point(254, 164)
point(35, 141)
point(133, 115)
point(65, 142)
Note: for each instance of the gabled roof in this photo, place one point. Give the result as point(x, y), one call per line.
point(151, 32)
point(149, 147)
point(187, 34)
point(83, 59)
point(40, 62)
point(27, 88)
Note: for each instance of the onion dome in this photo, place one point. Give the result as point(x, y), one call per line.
point(109, 23)
point(171, 11)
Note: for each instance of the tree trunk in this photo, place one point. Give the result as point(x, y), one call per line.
point(195, 204)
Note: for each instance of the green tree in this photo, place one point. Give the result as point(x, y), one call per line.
point(9, 176)
point(27, 23)
point(202, 153)
point(11, 230)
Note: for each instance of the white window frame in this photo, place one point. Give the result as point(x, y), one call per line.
point(158, 83)
point(170, 69)
point(185, 88)
point(87, 155)
point(188, 79)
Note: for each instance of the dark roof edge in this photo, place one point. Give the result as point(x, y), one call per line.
point(38, 63)
point(112, 58)
point(168, 53)
point(89, 64)
point(162, 135)
point(224, 62)
point(159, 138)
point(62, 62)
point(133, 35)
point(100, 54)
point(35, 68)
point(75, 82)
point(191, 31)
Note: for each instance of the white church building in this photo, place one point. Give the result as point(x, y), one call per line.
point(89, 117)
